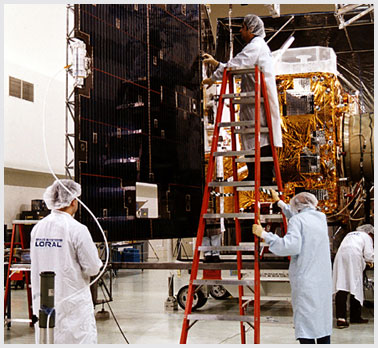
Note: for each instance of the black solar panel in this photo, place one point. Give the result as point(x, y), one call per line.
point(141, 120)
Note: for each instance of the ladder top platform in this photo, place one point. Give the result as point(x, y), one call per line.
point(238, 71)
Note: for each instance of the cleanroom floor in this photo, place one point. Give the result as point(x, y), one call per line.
point(138, 305)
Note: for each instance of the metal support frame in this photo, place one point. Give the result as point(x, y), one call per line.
point(70, 102)
point(341, 10)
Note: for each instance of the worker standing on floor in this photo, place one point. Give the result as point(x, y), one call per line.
point(310, 270)
point(256, 52)
point(354, 253)
point(61, 244)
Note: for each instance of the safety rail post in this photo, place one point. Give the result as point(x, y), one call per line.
point(256, 311)
point(274, 152)
point(205, 205)
point(236, 209)
point(7, 283)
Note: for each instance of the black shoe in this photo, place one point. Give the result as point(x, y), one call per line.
point(359, 321)
point(342, 323)
point(216, 258)
point(207, 258)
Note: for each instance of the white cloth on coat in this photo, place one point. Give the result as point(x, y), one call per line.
point(310, 271)
point(354, 251)
point(61, 244)
point(256, 52)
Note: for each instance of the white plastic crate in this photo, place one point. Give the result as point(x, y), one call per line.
point(304, 60)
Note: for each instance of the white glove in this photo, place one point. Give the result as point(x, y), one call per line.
point(210, 60)
point(275, 196)
point(257, 229)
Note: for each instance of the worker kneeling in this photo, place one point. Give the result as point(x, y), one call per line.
point(310, 270)
point(61, 244)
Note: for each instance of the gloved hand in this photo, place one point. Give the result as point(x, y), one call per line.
point(208, 82)
point(257, 229)
point(275, 196)
point(210, 60)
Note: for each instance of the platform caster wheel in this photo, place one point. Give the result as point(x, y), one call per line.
point(199, 298)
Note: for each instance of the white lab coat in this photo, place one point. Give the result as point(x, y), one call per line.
point(310, 271)
point(355, 250)
point(256, 52)
point(61, 244)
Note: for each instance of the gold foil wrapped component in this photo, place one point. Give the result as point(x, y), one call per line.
point(309, 159)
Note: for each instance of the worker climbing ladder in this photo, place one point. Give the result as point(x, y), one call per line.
point(235, 98)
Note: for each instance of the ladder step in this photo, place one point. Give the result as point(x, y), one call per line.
point(274, 279)
point(262, 186)
point(20, 267)
point(252, 159)
point(268, 298)
point(242, 98)
point(250, 130)
point(240, 124)
point(223, 282)
point(237, 71)
point(239, 95)
point(229, 216)
point(18, 320)
point(232, 183)
point(250, 216)
point(249, 281)
point(249, 247)
point(229, 317)
point(241, 185)
point(234, 153)
point(252, 244)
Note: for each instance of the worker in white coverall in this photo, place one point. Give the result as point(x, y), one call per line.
point(256, 52)
point(61, 244)
point(354, 253)
point(310, 270)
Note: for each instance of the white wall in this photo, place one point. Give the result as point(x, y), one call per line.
point(34, 51)
point(18, 200)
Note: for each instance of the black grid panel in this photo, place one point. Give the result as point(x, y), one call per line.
point(141, 121)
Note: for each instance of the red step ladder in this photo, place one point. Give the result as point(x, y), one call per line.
point(252, 320)
point(21, 267)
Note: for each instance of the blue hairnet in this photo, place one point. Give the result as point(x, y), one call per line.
point(254, 24)
point(56, 196)
point(366, 228)
point(303, 200)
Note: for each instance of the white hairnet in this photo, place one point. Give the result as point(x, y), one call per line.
point(255, 25)
point(57, 197)
point(303, 200)
point(366, 228)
